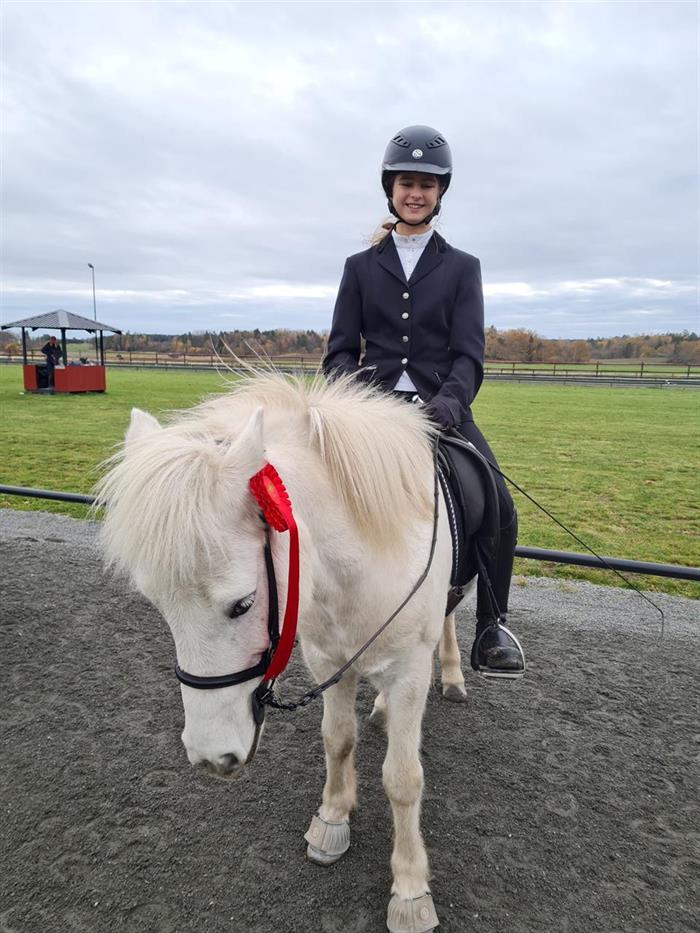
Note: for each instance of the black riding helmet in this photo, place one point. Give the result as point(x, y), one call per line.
point(417, 149)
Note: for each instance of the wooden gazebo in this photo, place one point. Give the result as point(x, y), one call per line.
point(71, 377)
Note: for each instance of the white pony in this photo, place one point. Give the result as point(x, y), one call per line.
point(181, 522)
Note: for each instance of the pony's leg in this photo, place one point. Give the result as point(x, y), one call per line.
point(411, 907)
point(329, 833)
point(451, 663)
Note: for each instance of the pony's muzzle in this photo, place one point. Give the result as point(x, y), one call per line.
point(226, 766)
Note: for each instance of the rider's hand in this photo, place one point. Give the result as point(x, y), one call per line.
point(438, 419)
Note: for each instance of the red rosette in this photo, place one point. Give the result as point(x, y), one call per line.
point(270, 494)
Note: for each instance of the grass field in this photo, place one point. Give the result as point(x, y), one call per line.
point(619, 466)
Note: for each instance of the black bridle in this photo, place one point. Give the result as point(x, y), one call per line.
point(257, 670)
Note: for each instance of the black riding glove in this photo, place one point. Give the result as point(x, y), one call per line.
point(438, 416)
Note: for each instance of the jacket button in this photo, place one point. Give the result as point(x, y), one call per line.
point(404, 361)
point(405, 315)
point(405, 338)
point(405, 295)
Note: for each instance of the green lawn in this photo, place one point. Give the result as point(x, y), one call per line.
point(619, 466)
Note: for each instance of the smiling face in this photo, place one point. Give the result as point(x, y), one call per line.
point(415, 196)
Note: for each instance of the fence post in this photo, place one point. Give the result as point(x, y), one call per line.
point(641, 369)
point(597, 368)
point(130, 358)
point(184, 358)
point(156, 357)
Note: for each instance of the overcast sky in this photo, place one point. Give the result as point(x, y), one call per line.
point(216, 162)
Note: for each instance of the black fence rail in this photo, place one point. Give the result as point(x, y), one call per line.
point(675, 571)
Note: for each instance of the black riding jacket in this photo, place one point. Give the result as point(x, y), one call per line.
point(431, 327)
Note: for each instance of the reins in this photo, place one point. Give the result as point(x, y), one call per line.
point(276, 513)
point(265, 692)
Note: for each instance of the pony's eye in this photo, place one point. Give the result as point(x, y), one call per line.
point(241, 607)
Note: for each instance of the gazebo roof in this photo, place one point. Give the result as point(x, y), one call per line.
point(61, 320)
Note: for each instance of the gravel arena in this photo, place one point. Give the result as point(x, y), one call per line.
point(563, 803)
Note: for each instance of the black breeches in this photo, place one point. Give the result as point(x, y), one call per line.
point(500, 569)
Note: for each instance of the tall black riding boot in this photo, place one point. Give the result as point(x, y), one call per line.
point(496, 651)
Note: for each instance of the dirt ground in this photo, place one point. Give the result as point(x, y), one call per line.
point(567, 802)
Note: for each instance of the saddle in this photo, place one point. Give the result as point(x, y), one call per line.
point(471, 499)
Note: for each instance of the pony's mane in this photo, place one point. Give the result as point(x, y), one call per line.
point(164, 492)
point(375, 447)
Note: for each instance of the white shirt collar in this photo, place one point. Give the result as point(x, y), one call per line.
point(416, 240)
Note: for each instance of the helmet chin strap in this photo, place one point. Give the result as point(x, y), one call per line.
point(415, 223)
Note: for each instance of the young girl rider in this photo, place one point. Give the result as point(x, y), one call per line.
point(418, 304)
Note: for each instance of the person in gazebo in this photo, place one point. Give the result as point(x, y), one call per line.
point(53, 352)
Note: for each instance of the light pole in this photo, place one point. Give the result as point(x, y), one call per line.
point(94, 311)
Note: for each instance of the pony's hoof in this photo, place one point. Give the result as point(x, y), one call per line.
point(412, 915)
point(455, 693)
point(327, 841)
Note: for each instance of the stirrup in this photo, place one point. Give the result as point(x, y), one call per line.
point(494, 673)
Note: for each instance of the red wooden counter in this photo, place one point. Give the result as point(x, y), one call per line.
point(69, 379)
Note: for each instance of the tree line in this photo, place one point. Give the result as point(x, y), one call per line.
point(244, 343)
point(514, 345)
point(526, 346)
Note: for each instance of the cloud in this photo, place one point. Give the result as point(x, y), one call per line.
point(213, 153)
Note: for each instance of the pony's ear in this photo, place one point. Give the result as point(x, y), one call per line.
point(247, 453)
point(141, 424)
